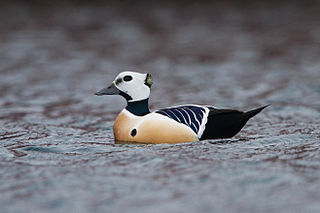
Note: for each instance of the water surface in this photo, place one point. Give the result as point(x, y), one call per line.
point(57, 151)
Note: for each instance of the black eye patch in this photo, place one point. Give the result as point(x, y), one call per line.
point(118, 81)
point(127, 78)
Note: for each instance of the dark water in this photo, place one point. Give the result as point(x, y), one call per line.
point(57, 152)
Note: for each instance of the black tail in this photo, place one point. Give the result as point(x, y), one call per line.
point(247, 115)
point(226, 123)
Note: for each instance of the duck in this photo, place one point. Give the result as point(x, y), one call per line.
point(176, 124)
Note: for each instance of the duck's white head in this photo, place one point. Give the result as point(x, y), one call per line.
point(133, 86)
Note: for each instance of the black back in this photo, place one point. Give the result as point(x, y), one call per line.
point(226, 123)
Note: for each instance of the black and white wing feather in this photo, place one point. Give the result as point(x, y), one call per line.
point(193, 116)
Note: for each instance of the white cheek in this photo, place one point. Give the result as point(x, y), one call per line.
point(139, 93)
point(136, 90)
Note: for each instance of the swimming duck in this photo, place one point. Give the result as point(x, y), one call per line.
point(184, 123)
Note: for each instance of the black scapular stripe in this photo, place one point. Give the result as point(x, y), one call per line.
point(188, 115)
point(226, 123)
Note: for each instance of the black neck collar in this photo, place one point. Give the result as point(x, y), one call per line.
point(139, 108)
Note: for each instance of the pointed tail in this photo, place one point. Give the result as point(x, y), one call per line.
point(249, 114)
point(226, 123)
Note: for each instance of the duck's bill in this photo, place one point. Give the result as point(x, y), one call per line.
point(111, 90)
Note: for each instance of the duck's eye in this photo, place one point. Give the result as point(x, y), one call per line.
point(127, 78)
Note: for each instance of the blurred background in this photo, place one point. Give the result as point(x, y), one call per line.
point(57, 149)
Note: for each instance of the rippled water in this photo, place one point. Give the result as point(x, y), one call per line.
point(57, 152)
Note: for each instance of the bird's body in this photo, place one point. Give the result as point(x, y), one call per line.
point(184, 123)
point(151, 128)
